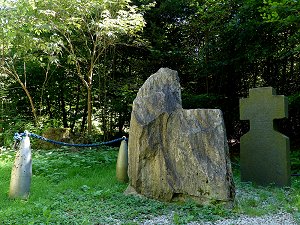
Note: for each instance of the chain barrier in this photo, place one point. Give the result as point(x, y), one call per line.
point(19, 136)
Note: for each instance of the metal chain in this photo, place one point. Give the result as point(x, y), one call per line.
point(19, 136)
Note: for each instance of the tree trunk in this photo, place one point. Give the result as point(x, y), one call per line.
point(89, 109)
point(63, 108)
point(33, 110)
point(49, 108)
point(83, 119)
point(76, 108)
point(13, 74)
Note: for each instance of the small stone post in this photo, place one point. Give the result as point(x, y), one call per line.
point(21, 171)
point(122, 163)
point(265, 153)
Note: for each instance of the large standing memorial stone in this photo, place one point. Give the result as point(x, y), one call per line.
point(264, 151)
point(176, 154)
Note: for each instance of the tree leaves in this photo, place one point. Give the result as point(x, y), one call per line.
point(72, 34)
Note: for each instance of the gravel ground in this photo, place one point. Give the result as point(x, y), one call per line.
point(281, 218)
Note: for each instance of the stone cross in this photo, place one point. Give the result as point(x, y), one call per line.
point(264, 153)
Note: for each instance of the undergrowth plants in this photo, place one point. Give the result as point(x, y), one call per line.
point(71, 186)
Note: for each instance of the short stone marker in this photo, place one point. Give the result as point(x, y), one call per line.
point(122, 163)
point(173, 153)
point(264, 152)
point(21, 171)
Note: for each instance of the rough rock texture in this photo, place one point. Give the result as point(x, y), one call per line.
point(175, 153)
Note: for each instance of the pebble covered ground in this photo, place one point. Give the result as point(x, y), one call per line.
point(281, 218)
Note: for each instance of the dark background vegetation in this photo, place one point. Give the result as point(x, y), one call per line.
point(220, 49)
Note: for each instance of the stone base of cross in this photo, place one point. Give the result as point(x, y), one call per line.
point(264, 152)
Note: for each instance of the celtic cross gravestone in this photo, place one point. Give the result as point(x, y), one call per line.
point(264, 151)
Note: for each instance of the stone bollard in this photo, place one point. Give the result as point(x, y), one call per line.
point(122, 163)
point(21, 171)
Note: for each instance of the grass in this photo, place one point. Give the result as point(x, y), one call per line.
point(79, 187)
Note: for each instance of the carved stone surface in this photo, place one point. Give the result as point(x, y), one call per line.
point(176, 153)
point(265, 157)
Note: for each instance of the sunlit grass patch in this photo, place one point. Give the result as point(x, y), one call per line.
point(79, 186)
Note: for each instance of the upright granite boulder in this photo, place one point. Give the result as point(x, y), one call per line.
point(173, 153)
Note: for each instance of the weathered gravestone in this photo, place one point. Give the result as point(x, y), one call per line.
point(176, 154)
point(264, 152)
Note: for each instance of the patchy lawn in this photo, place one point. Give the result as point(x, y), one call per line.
point(79, 187)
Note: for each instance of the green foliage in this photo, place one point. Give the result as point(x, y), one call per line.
point(291, 126)
point(65, 44)
point(66, 53)
point(294, 101)
point(10, 127)
point(205, 101)
point(295, 162)
point(58, 160)
point(20, 124)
